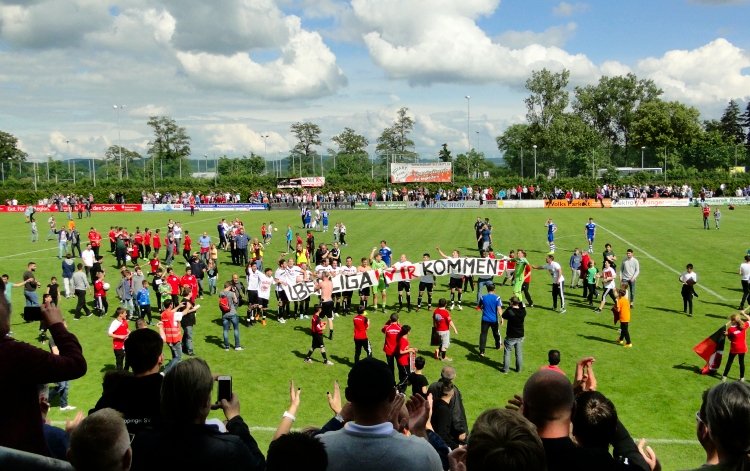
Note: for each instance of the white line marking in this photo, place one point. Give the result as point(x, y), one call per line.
point(56, 247)
point(702, 286)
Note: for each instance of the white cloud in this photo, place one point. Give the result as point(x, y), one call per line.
point(701, 76)
point(555, 36)
point(241, 139)
point(148, 111)
point(570, 9)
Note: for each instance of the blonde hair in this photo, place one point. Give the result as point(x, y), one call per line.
point(736, 319)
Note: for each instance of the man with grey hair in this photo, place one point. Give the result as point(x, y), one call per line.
point(101, 443)
point(459, 425)
point(629, 271)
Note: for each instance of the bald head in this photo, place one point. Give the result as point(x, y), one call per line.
point(548, 397)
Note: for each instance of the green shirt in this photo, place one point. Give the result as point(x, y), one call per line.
point(378, 265)
point(591, 275)
point(521, 264)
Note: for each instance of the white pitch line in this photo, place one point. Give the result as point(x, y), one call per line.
point(56, 247)
point(702, 286)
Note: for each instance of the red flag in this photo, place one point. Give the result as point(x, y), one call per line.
point(712, 350)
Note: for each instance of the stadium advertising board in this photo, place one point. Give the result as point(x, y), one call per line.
point(431, 172)
point(516, 204)
point(303, 182)
point(451, 205)
point(739, 201)
point(651, 203)
point(226, 207)
point(98, 208)
point(382, 205)
point(161, 207)
point(590, 203)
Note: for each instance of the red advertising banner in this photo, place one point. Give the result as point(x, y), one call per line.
point(99, 208)
point(432, 172)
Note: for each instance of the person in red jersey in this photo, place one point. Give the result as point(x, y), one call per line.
point(100, 295)
point(138, 239)
point(156, 243)
point(134, 252)
point(96, 241)
point(190, 281)
point(112, 239)
point(119, 331)
point(317, 326)
point(441, 320)
point(361, 324)
point(174, 283)
point(404, 353)
point(391, 329)
point(192, 206)
point(706, 214)
point(736, 331)
point(187, 246)
point(146, 242)
point(154, 263)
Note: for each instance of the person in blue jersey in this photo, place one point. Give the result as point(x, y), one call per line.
point(551, 229)
point(325, 215)
point(385, 253)
point(491, 306)
point(591, 234)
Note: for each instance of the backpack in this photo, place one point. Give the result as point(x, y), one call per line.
point(224, 304)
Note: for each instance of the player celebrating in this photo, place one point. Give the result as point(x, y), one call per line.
point(364, 293)
point(361, 342)
point(520, 266)
point(455, 281)
point(378, 264)
point(590, 234)
point(426, 283)
point(348, 270)
point(317, 337)
point(404, 285)
point(558, 281)
point(385, 253)
point(551, 229)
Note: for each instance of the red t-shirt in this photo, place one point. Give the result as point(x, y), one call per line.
point(157, 241)
point(585, 259)
point(174, 282)
point(187, 243)
point(391, 331)
point(192, 282)
point(95, 238)
point(99, 289)
point(138, 238)
point(361, 324)
point(147, 239)
point(736, 336)
point(112, 236)
point(527, 274)
point(155, 263)
point(317, 325)
point(403, 344)
point(706, 211)
point(122, 329)
point(510, 265)
point(441, 319)
point(134, 251)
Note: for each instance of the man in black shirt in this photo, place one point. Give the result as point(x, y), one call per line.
point(137, 396)
point(198, 268)
point(321, 254)
point(441, 415)
point(515, 315)
point(459, 426)
point(96, 267)
point(478, 231)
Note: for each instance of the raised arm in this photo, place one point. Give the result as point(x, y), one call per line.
point(441, 253)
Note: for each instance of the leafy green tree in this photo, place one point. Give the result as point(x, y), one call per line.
point(445, 155)
point(470, 163)
point(351, 156)
point(9, 148)
point(308, 137)
point(610, 106)
point(746, 123)
point(548, 97)
point(349, 142)
point(658, 124)
point(170, 140)
point(244, 166)
point(395, 140)
point(731, 124)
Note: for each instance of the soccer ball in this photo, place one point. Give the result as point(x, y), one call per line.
point(127, 258)
point(106, 286)
point(276, 229)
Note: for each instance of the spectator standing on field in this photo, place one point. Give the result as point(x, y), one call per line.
point(442, 322)
point(630, 269)
point(491, 306)
point(514, 333)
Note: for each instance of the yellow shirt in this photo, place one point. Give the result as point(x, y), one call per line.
point(623, 305)
point(301, 257)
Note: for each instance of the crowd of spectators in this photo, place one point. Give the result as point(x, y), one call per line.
point(147, 420)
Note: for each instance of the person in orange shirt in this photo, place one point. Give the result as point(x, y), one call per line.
point(623, 308)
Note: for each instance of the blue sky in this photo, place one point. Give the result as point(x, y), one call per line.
point(232, 71)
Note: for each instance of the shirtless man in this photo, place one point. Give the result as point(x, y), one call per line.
point(326, 296)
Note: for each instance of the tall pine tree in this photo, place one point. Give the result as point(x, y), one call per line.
point(731, 124)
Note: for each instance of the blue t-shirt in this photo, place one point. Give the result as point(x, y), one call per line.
point(489, 303)
point(205, 242)
point(590, 228)
point(551, 228)
point(143, 297)
point(325, 217)
point(385, 253)
point(289, 234)
point(485, 235)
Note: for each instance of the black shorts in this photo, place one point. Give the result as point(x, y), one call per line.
point(327, 309)
point(252, 297)
point(404, 286)
point(262, 302)
point(455, 283)
point(348, 294)
point(364, 292)
point(317, 341)
point(336, 295)
point(281, 296)
point(425, 287)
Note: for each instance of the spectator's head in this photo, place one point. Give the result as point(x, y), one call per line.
point(548, 402)
point(143, 348)
point(419, 363)
point(100, 443)
point(447, 374)
point(553, 356)
point(595, 421)
point(701, 428)
point(370, 389)
point(446, 391)
point(186, 392)
point(296, 450)
point(728, 415)
point(503, 440)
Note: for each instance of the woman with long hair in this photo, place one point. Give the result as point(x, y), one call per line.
point(728, 417)
point(403, 356)
point(736, 334)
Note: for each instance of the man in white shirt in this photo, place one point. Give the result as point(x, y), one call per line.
point(348, 270)
point(88, 257)
point(177, 231)
point(558, 281)
point(265, 280)
point(688, 279)
point(282, 277)
point(745, 277)
point(404, 285)
point(251, 279)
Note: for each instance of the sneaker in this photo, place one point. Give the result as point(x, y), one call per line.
point(308, 360)
point(89, 314)
point(282, 321)
point(328, 362)
point(460, 307)
point(226, 349)
point(723, 379)
point(77, 319)
point(597, 310)
point(619, 340)
point(628, 345)
point(452, 306)
point(383, 309)
point(336, 314)
point(563, 311)
point(238, 349)
point(530, 305)
point(68, 407)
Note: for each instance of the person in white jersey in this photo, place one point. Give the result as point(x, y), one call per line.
point(745, 277)
point(558, 281)
point(608, 277)
point(455, 282)
point(688, 279)
point(348, 270)
point(265, 280)
point(251, 278)
point(405, 285)
point(426, 283)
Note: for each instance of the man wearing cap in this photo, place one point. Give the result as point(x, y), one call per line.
point(369, 442)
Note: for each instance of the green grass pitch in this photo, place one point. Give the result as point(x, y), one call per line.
point(656, 385)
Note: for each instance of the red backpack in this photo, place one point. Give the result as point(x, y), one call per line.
point(224, 305)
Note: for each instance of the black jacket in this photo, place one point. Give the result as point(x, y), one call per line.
point(137, 399)
point(192, 446)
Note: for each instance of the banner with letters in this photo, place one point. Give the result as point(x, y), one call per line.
point(440, 267)
point(431, 172)
point(652, 203)
point(580, 203)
